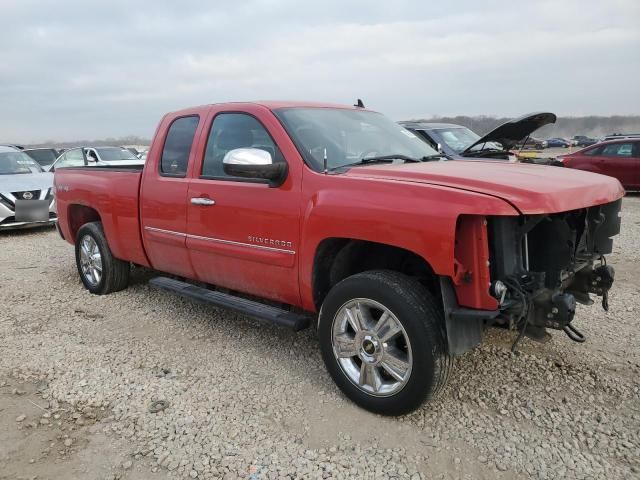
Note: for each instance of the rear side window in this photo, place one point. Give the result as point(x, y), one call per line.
point(593, 152)
point(177, 146)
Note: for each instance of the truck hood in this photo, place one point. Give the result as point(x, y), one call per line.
point(510, 133)
point(531, 189)
point(25, 181)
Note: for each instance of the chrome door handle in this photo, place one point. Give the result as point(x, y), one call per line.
point(203, 201)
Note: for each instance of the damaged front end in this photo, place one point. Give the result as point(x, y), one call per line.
point(542, 265)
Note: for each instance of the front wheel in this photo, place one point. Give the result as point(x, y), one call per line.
point(383, 342)
point(99, 271)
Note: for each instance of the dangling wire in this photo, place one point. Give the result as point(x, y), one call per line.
point(574, 334)
point(524, 314)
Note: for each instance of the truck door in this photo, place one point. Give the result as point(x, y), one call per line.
point(163, 194)
point(242, 233)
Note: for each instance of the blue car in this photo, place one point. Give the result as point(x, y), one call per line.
point(556, 142)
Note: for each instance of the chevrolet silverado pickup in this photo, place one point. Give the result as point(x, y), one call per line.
point(304, 214)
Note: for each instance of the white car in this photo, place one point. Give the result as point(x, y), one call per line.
point(96, 156)
point(26, 191)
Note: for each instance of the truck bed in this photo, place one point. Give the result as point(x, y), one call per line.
point(112, 191)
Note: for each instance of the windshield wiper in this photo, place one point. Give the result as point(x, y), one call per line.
point(378, 159)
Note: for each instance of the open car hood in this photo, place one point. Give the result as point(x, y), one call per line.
point(532, 189)
point(513, 131)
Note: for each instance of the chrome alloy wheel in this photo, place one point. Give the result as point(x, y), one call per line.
point(372, 347)
point(90, 260)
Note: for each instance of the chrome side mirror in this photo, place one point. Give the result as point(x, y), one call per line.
point(254, 163)
point(440, 148)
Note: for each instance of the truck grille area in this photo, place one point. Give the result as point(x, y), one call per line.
point(541, 265)
point(562, 244)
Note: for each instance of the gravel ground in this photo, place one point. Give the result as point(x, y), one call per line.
point(78, 374)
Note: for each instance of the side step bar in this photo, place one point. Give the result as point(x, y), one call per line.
point(259, 311)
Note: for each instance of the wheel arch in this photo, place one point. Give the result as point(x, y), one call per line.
point(78, 215)
point(337, 258)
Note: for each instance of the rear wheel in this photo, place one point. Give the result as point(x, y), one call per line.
point(99, 271)
point(383, 341)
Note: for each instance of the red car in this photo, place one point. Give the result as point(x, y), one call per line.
point(340, 218)
point(617, 158)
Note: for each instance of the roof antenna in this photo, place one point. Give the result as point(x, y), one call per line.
point(324, 161)
point(359, 103)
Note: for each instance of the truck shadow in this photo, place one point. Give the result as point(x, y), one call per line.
point(26, 232)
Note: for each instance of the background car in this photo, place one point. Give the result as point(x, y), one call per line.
point(26, 192)
point(44, 156)
point(134, 151)
point(583, 141)
point(458, 142)
point(530, 143)
point(616, 158)
point(96, 156)
point(618, 136)
point(556, 142)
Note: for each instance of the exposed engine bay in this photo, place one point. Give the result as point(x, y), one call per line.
point(542, 265)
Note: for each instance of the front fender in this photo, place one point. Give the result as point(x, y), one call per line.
point(416, 217)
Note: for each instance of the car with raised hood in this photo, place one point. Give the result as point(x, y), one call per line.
point(617, 158)
point(306, 214)
point(26, 191)
point(458, 142)
point(96, 157)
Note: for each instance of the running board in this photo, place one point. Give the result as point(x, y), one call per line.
point(259, 311)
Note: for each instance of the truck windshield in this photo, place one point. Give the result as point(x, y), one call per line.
point(348, 136)
point(15, 163)
point(109, 154)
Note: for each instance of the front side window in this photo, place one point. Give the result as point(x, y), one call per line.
point(618, 150)
point(235, 130)
point(348, 136)
point(177, 146)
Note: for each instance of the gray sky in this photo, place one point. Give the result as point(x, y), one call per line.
point(75, 69)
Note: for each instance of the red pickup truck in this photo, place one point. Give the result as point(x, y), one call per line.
point(309, 214)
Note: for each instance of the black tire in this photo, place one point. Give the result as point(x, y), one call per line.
point(115, 272)
point(421, 317)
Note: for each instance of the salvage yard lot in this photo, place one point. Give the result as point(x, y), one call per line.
point(78, 373)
